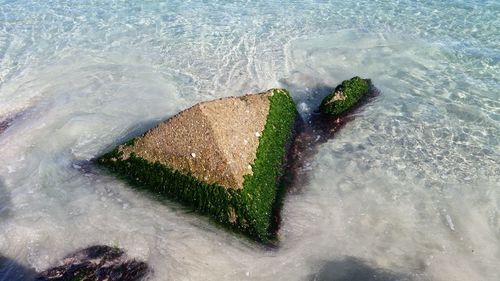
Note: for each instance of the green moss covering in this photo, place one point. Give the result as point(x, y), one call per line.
point(78, 277)
point(248, 210)
point(345, 96)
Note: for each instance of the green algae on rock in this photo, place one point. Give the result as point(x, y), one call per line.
point(224, 158)
point(345, 96)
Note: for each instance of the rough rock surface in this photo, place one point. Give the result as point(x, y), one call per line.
point(215, 141)
point(96, 263)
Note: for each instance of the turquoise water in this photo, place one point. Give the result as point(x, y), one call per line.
point(410, 186)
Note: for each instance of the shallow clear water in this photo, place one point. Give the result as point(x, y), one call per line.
point(409, 188)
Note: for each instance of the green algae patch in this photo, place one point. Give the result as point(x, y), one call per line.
point(345, 96)
point(247, 205)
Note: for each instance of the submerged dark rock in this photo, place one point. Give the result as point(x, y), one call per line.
point(97, 263)
point(5, 201)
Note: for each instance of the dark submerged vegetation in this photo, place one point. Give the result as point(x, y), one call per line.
point(98, 262)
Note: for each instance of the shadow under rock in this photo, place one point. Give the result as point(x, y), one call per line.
point(353, 269)
point(5, 201)
point(10, 270)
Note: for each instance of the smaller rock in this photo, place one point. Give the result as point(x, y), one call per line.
point(345, 96)
point(97, 263)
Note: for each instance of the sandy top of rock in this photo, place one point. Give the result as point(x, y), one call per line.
point(214, 141)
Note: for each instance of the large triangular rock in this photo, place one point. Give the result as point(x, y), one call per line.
point(222, 157)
